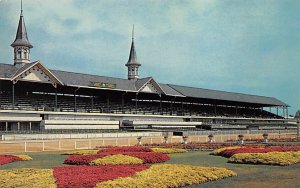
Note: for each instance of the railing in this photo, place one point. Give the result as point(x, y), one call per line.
point(75, 144)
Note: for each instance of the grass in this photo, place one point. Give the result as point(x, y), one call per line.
point(257, 176)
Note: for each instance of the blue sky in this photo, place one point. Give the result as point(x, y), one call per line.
point(240, 46)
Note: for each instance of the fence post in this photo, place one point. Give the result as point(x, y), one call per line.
point(90, 144)
point(43, 148)
point(75, 145)
point(103, 142)
point(25, 146)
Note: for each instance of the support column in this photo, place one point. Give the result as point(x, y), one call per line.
point(18, 126)
point(75, 102)
point(277, 110)
point(287, 112)
point(55, 99)
point(13, 95)
point(30, 126)
point(6, 126)
point(123, 102)
point(92, 102)
point(136, 102)
point(108, 105)
point(160, 106)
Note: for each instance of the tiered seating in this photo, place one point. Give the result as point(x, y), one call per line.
point(65, 103)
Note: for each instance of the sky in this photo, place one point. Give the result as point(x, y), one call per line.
point(250, 47)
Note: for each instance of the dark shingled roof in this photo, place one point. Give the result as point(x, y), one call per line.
point(132, 60)
point(170, 91)
point(84, 80)
point(21, 36)
point(140, 82)
point(79, 79)
point(26, 66)
point(227, 96)
point(7, 71)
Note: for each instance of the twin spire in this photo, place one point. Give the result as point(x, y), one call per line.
point(132, 64)
point(21, 36)
point(21, 44)
point(22, 48)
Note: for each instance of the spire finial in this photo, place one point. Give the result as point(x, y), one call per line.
point(21, 7)
point(132, 32)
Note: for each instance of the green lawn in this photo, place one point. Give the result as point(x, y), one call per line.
point(248, 175)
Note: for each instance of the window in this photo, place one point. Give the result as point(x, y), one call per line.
point(19, 54)
point(25, 54)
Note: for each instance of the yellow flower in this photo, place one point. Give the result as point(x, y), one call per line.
point(168, 150)
point(117, 159)
point(169, 175)
point(217, 151)
point(24, 157)
point(27, 178)
point(81, 152)
point(271, 158)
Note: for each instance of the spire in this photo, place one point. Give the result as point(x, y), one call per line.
point(132, 64)
point(132, 60)
point(21, 36)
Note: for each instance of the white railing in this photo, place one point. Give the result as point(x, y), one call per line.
point(76, 144)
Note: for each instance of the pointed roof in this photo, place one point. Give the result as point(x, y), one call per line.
point(21, 36)
point(132, 60)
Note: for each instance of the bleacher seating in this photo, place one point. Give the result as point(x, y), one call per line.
point(66, 103)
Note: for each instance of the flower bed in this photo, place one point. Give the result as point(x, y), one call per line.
point(4, 159)
point(218, 151)
point(230, 152)
point(147, 157)
point(168, 175)
point(271, 158)
point(117, 160)
point(168, 150)
point(89, 176)
point(81, 152)
point(125, 149)
point(27, 177)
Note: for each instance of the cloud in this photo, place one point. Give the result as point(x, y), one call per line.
point(244, 46)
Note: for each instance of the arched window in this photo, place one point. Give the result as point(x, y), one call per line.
point(25, 54)
point(19, 53)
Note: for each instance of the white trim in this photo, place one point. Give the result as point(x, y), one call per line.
point(36, 63)
point(150, 79)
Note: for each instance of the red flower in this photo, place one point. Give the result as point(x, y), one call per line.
point(147, 157)
point(126, 149)
point(89, 176)
point(4, 159)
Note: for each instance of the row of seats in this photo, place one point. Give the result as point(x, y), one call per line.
point(46, 102)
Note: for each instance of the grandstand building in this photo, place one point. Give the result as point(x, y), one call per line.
point(36, 98)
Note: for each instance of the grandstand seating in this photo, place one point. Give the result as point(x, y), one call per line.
point(46, 102)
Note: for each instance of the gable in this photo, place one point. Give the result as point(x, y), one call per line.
point(151, 87)
point(36, 72)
